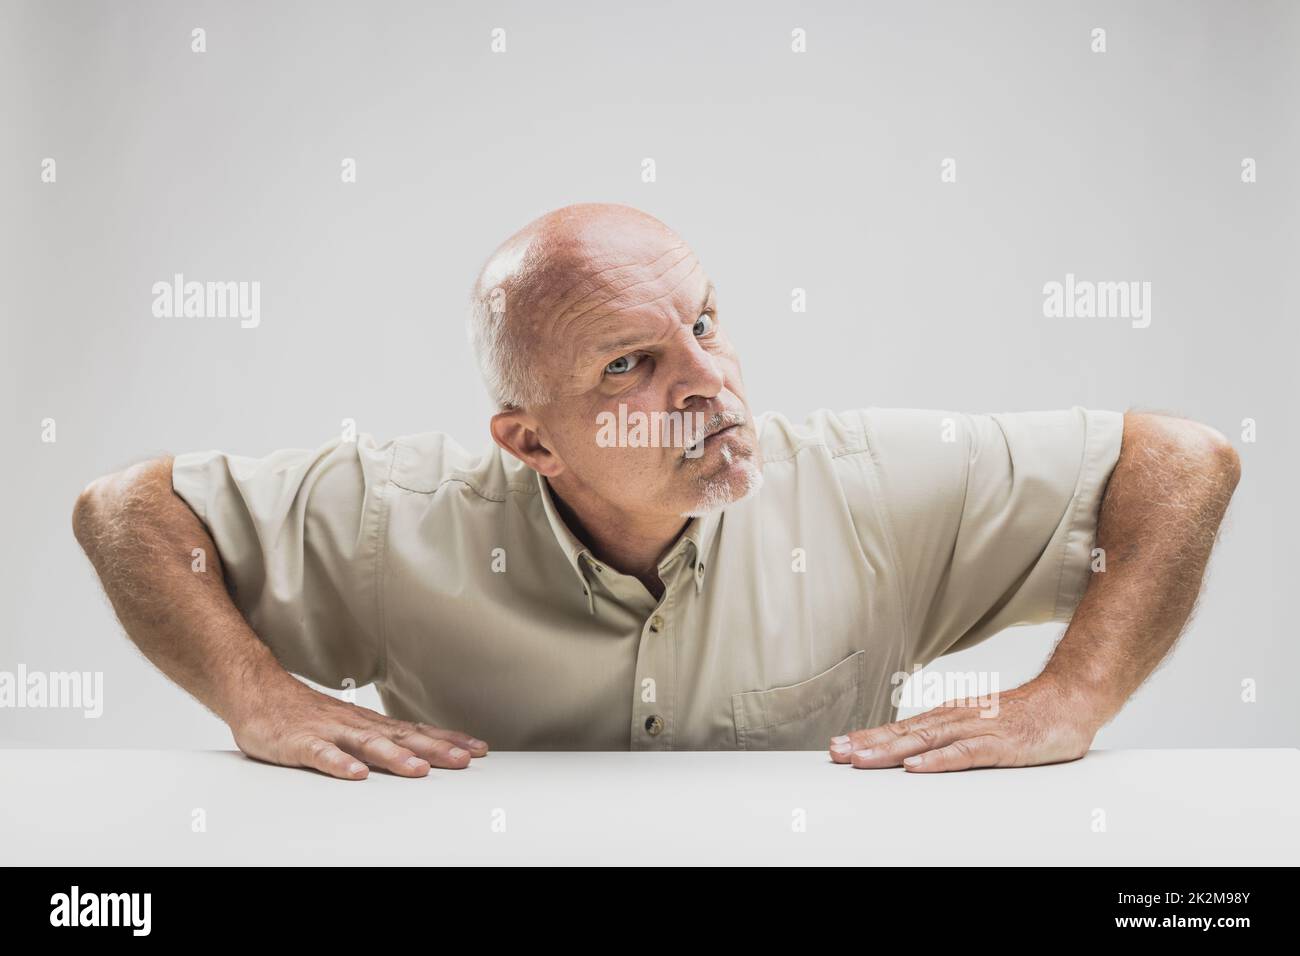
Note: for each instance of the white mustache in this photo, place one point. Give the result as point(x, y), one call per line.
point(712, 425)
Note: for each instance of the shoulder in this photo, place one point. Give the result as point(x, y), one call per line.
point(887, 451)
point(825, 432)
point(425, 462)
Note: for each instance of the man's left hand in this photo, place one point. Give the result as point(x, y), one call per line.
point(1036, 723)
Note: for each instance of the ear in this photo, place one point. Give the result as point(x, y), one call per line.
point(519, 433)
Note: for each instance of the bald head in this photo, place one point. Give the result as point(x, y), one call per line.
point(595, 316)
point(561, 265)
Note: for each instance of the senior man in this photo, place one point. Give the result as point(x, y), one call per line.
point(761, 587)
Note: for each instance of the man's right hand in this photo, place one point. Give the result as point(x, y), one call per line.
point(301, 727)
point(140, 536)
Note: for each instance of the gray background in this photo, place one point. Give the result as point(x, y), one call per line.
point(818, 170)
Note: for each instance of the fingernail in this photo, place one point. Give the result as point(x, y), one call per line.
point(863, 753)
point(415, 763)
point(477, 744)
point(457, 752)
point(842, 748)
point(914, 761)
point(356, 768)
point(842, 739)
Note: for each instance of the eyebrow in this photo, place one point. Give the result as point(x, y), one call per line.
point(628, 342)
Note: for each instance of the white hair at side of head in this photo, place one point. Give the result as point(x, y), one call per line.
point(502, 358)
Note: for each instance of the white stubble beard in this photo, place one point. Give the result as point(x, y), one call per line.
point(717, 493)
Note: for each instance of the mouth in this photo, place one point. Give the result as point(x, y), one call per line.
point(694, 451)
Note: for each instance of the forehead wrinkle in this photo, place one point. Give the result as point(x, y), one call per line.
point(554, 254)
point(619, 290)
point(627, 339)
point(545, 302)
point(572, 279)
point(579, 328)
point(622, 344)
point(592, 249)
point(590, 277)
point(669, 294)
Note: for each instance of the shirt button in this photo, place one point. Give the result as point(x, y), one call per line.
point(656, 623)
point(699, 570)
point(654, 725)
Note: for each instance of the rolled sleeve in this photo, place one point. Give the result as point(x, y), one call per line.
point(994, 517)
point(299, 535)
point(189, 480)
point(1103, 431)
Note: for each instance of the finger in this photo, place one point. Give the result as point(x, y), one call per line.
point(842, 747)
point(476, 747)
point(959, 755)
point(919, 740)
point(439, 753)
point(322, 755)
point(874, 738)
point(378, 751)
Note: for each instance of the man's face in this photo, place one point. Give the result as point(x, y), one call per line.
point(627, 345)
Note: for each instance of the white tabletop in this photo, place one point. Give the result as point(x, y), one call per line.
point(136, 807)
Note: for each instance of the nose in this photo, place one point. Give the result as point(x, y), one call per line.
point(696, 375)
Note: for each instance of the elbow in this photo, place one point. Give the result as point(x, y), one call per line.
point(1185, 451)
point(1228, 463)
point(1219, 460)
point(107, 495)
point(1211, 456)
point(85, 510)
point(95, 505)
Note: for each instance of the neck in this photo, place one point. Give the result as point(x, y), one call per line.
point(632, 543)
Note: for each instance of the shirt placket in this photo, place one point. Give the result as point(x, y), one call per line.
point(655, 693)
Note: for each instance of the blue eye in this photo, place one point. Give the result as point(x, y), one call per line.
point(622, 364)
point(705, 320)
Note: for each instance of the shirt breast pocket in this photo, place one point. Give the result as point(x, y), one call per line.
point(806, 715)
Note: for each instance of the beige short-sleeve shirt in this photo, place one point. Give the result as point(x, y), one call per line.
point(880, 540)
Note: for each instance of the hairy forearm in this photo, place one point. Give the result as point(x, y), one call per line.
point(1159, 520)
point(140, 537)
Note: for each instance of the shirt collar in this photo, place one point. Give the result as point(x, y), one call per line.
point(573, 548)
point(693, 544)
